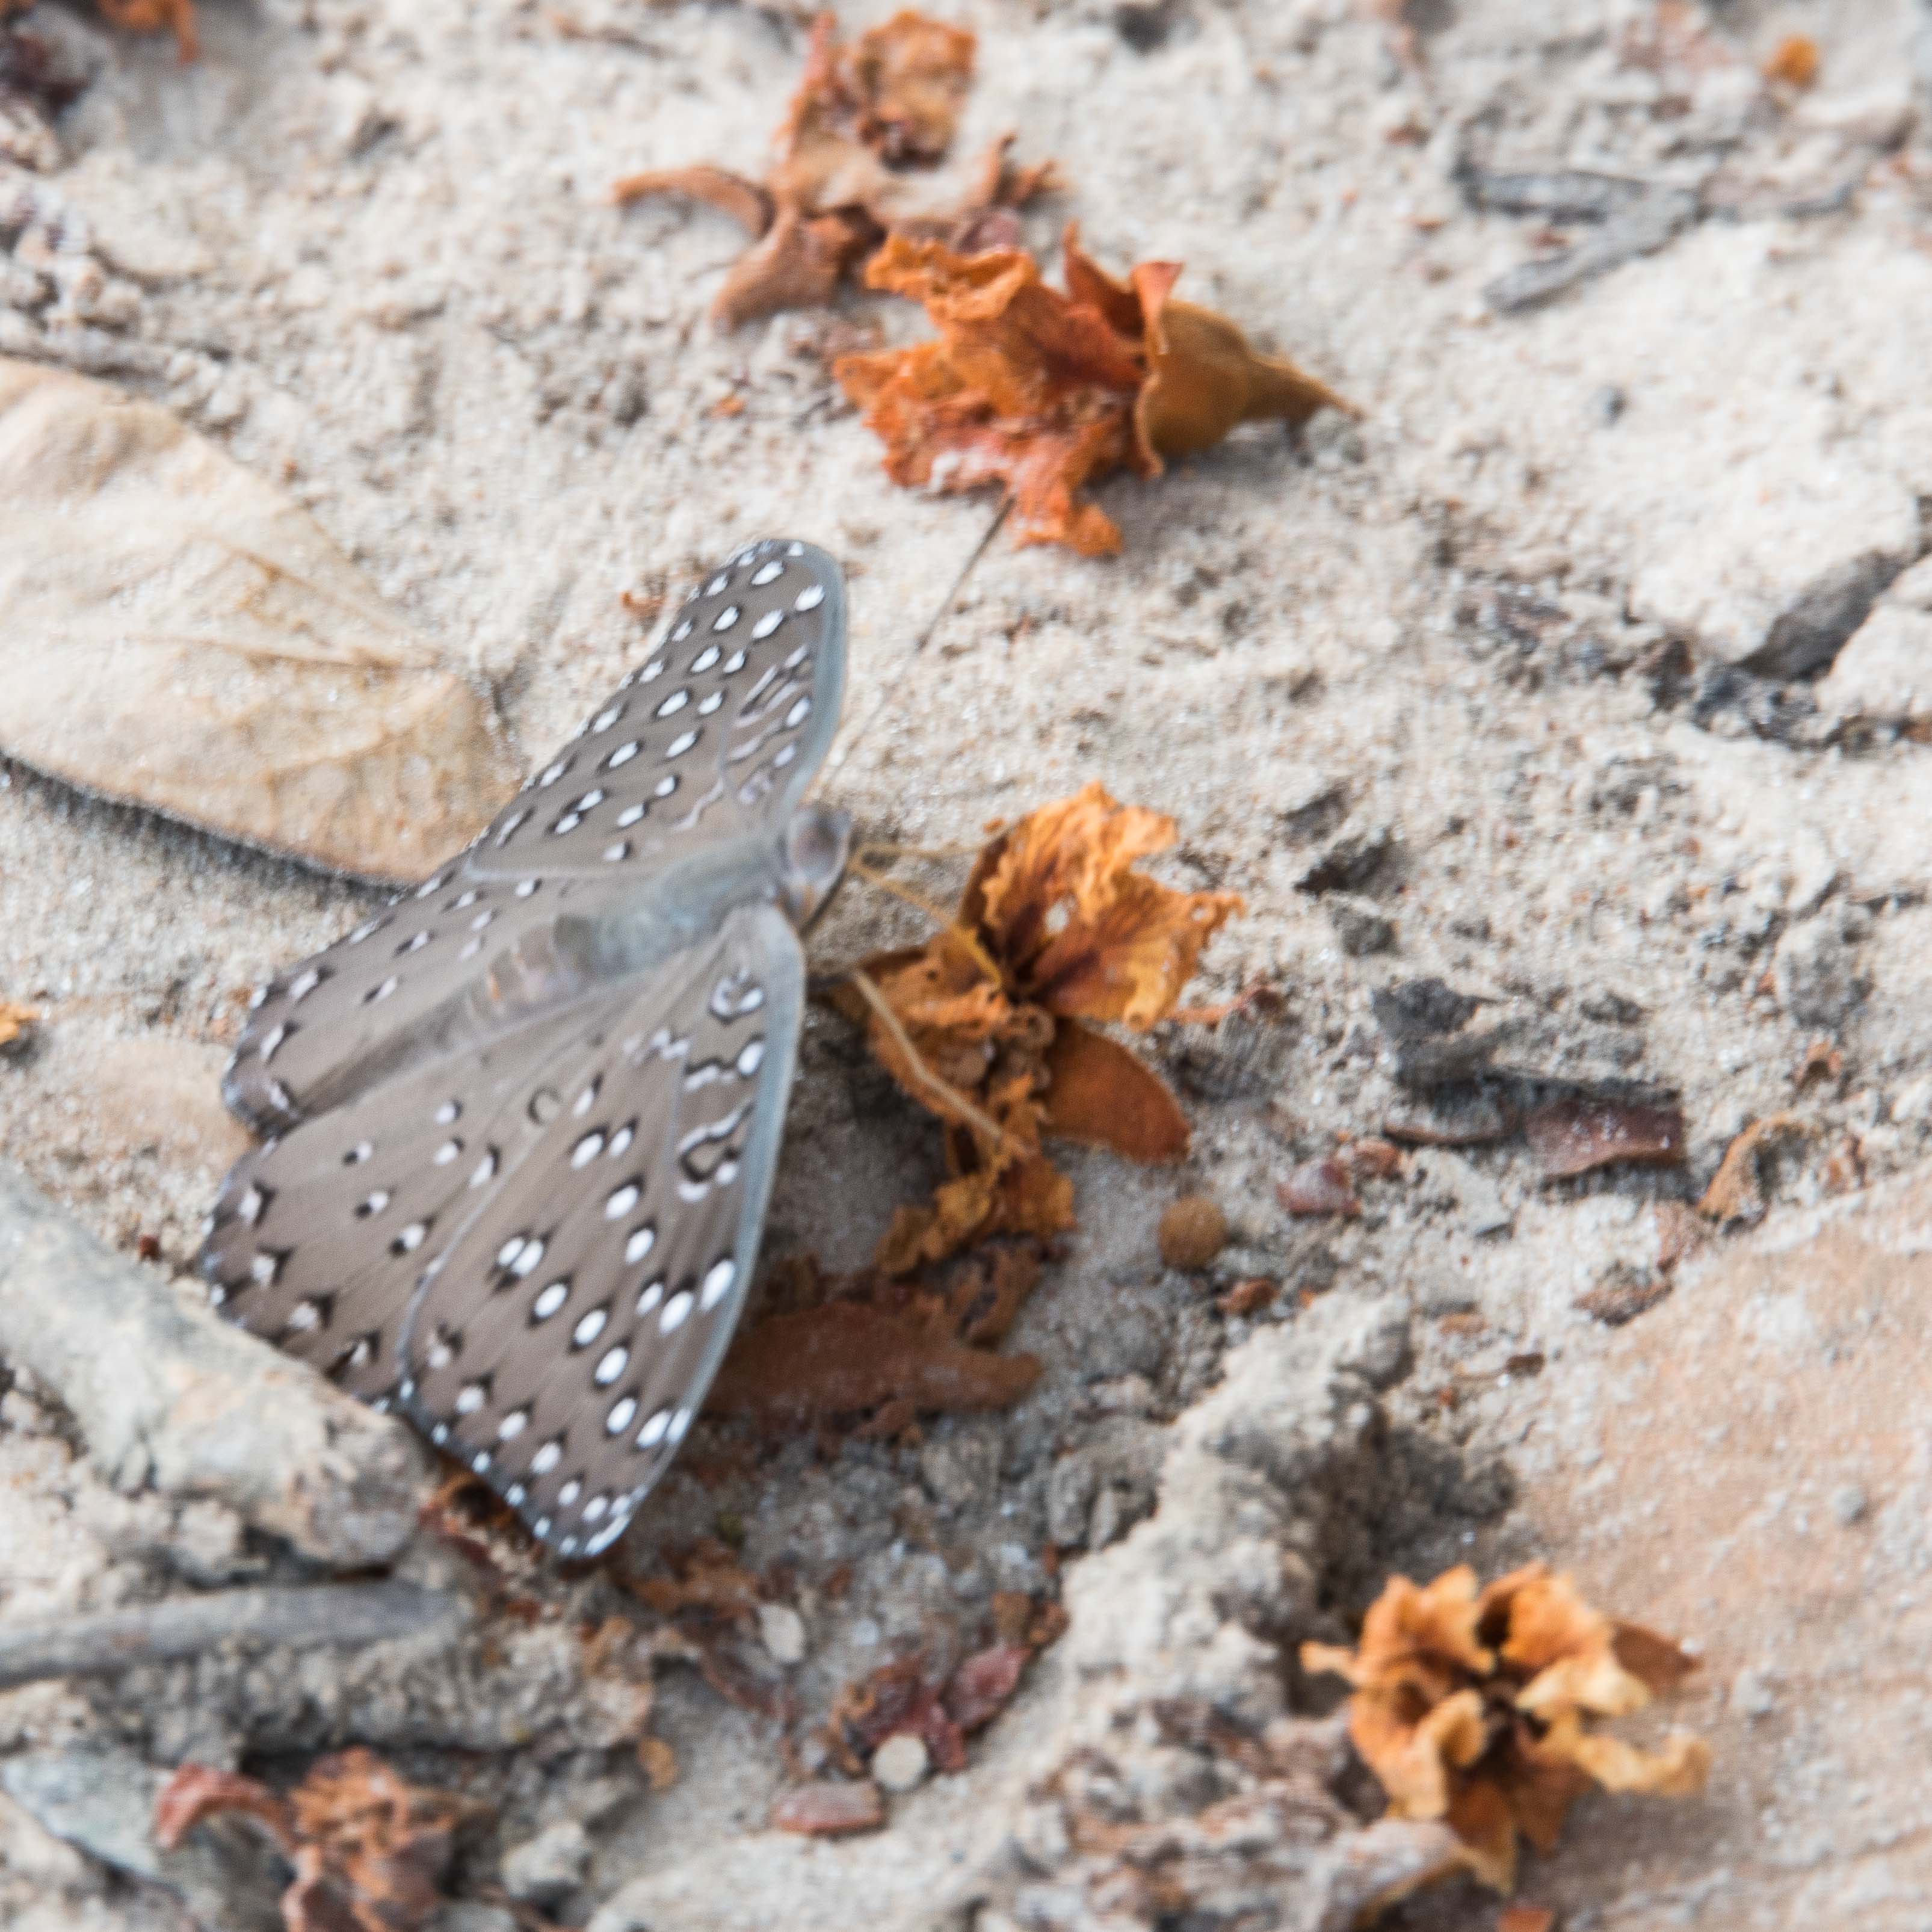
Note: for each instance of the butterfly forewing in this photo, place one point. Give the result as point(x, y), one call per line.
point(567, 1332)
point(716, 733)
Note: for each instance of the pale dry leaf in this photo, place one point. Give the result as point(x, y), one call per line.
point(176, 634)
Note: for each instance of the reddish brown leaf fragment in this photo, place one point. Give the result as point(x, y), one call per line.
point(1100, 1094)
point(1372, 1159)
point(1571, 1137)
point(706, 1578)
point(983, 1684)
point(830, 1808)
point(1320, 1187)
point(1621, 1297)
point(1249, 1297)
point(369, 1848)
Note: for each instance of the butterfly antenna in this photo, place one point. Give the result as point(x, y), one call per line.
point(836, 763)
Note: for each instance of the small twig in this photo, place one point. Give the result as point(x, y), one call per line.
point(919, 852)
point(304, 1617)
point(939, 616)
point(955, 1101)
point(873, 877)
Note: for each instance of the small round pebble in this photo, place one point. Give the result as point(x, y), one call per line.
point(1192, 1232)
point(901, 1762)
point(1849, 1504)
point(782, 1630)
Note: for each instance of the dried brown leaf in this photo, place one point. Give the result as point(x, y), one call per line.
point(706, 1578)
point(15, 1020)
point(1473, 1705)
point(1572, 1137)
point(1022, 388)
point(179, 635)
point(1100, 1094)
point(983, 1684)
point(1203, 379)
point(1047, 393)
point(910, 76)
point(847, 1357)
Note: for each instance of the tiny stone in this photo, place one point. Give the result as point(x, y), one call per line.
point(1191, 1232)
point(1070, 1500)
point(1849, 1503)
point(782, 1630)
point(901, 1762)
point(546, 1868)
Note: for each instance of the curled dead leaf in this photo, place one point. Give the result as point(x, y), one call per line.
point(16, 1021)
point(175, 634)
point(1734, 1193)
point(1473, 1705)
point(862, 113)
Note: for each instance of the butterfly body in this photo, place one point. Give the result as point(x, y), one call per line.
point(523, 1123)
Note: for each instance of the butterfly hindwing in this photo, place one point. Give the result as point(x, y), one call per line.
point(716, 733)
point(319, 1237)
point(568, 1330)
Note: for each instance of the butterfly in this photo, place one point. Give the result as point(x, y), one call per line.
point(521, 1124)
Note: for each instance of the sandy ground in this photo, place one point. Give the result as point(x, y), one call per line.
point(1516, 632)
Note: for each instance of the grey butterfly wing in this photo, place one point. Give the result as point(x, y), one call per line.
point(566, 1333)
point(319, 1237)
point(718, 733)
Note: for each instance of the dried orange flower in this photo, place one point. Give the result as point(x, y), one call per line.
point(1046, 393)
point(986, 1024)
point(1472, 1705)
